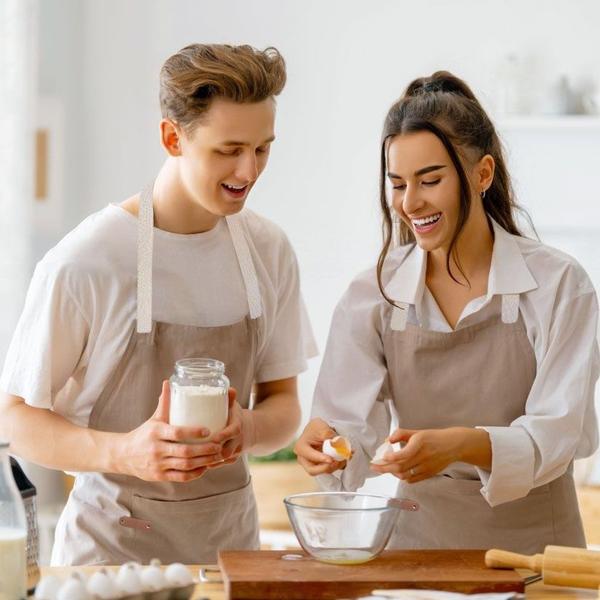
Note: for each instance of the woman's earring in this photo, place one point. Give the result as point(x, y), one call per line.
point(482, 194)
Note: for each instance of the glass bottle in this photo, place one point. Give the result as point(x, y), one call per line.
point(13, 534)
point(199, 394)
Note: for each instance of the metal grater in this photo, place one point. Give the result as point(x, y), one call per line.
point(28, 493)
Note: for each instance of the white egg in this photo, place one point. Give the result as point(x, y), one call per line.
point(338, 448)
point(178, 575)
point(128, 579)
point(101, 584)
point(47, 588)
point(79, 575)
point(133, 565)
point(73, 589)
point(153, 579)
point(381, 451)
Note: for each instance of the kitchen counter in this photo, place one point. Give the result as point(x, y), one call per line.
point(215, 591)
point(539, 591)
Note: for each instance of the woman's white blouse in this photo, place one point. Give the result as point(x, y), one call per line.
point(559, 308)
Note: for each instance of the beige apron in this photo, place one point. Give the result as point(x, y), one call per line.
point(479, 375)
point(125, 518)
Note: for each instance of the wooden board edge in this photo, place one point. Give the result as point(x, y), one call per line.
point(252, 590)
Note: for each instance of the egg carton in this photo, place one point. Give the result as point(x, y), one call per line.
point(130, 582)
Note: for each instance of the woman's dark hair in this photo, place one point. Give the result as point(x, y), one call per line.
point(445, 106)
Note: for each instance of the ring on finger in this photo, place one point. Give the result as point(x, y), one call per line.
point(412, 471)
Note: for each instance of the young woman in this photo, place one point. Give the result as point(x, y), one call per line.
point(484, 340)
point(94, 346)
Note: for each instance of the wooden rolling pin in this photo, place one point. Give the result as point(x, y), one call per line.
point(559, 565)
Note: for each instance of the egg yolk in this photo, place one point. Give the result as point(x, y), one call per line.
point(341, 448)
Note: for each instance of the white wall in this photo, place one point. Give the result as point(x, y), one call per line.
point(347, 61)
point(18, 25)
point(60, 108)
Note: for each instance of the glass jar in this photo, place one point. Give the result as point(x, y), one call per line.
point(13, 534)
point(199, 394)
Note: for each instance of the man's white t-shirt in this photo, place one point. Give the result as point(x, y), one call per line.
point(81, 305)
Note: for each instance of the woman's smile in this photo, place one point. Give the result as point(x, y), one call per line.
point(422, 225)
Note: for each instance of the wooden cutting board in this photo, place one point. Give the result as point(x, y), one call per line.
point(264, 575)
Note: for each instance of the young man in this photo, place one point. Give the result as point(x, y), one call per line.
point(94, 347)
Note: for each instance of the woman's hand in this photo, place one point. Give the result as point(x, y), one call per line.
point(429, 451)
point(156, 451)
point(309, 445)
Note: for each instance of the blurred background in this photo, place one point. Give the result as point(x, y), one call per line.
point(79, 129)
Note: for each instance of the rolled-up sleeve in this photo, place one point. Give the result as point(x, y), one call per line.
point(351, 386)
point(559, 423)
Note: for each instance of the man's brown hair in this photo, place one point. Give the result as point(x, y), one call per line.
point(199, 73)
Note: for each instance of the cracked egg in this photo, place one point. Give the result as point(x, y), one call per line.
point(338, 448)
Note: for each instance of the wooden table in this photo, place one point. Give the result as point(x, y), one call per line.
point(215, 591)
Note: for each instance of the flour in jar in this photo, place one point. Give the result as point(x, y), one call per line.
point(199, 406)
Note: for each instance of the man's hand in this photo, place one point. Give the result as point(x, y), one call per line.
point(156, 451)
point(237, 435)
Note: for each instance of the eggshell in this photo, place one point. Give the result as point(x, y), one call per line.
point(128, 579)
point(101, 585)
point(343, 451)
point(153, 579)
point(47, 588)
point(381, 451)
point(178, 575)
point(72, 589)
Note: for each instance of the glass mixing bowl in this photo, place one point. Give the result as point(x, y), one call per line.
point(344, 528)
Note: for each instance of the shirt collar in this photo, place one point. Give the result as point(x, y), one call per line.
point(408, 282)
point(509, 273)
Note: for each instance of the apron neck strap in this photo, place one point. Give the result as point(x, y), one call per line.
point(399, 316)
point(510, 312)
point(145, 245)
point(510, 308)
point(242, 251)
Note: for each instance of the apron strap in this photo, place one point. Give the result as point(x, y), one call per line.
point(145, 244)
point(510, 308)
point(399, 316)
point(510, 312)
point(240, 244)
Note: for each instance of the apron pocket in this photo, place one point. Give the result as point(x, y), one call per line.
point(90, 531)
point(452, 485)
point(192, 531)
point(453, 514)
